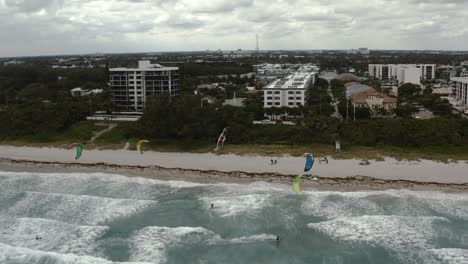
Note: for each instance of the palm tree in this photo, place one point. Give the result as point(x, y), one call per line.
point(275, 111)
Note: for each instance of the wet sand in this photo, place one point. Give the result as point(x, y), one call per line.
point(337, 174)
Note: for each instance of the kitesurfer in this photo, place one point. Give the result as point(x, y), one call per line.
point(212, 206)
point(277, 238)
point(38, 237)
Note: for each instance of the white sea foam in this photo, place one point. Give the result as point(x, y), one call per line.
point(247, 205)
point(152, 243)
point(79, 183)
point(82, 210)
point(15, 255)
point(252, 239)
point(331, 205)
point(403, 236)
point(56, 236)
point(445, 256)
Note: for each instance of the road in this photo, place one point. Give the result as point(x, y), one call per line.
point(330, 75)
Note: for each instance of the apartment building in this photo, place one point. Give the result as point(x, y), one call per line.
point(461, 90)
point(290, 91)
point(132, 88)
point(403, 73)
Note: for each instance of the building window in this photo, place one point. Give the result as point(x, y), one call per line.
point(291, 92)
point(269, 92)
point(269, 98)
point(290, 103)
point(298, 103)
point(277, 98)
point(298, 98)
point(131, 77)
point(139, 77)
point(269, 103)
point(277, 92)
point(291, 98)
point(298, 92)
point(277, 103)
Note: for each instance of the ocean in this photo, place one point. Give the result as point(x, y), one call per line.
point(104, 218)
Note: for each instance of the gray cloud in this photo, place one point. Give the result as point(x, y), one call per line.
point(37, 27)
point(28, 6)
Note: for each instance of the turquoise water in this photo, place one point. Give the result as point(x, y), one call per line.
point(100, 218)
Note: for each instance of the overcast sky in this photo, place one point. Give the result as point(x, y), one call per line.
point(43, 27)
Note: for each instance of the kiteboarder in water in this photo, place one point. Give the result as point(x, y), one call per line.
point(212, 206)
point(38, 237)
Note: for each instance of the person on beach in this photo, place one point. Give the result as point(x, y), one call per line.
point(272, 162)
point(326, 160)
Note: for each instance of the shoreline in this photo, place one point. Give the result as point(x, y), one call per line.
point(337, 174)
point(346, 184)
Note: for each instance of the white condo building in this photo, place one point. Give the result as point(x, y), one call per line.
point(461, 90)
point(290, 91)
point(403, 73)
point(133, 87)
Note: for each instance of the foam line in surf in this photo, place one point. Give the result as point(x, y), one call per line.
point(152, 243)
point(56, 236)
point(395, 233)
point(246, 205)
point(445, 255)
point(15, 255)
point(75, 209)
point(332, 205)
point(115, 179)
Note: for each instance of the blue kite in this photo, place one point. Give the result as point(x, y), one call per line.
point(309, 162)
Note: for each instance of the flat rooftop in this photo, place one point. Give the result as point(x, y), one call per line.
point(299, 80)
point(146, 66)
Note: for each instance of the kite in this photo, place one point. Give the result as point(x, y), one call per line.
point(221, 139)
point(79, 150)
point(308, 166)
point(139, 145)
point(296, 183)
point(309, 162)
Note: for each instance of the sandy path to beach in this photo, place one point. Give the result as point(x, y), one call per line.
point(390, 169)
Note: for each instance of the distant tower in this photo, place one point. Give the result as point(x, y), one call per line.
point(257, 49)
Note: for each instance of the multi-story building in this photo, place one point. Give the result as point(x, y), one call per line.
point(461, 90)
point(403, 73)
point(290, 91)
point(132, 88)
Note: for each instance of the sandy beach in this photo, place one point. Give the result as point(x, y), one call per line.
point(209, 167)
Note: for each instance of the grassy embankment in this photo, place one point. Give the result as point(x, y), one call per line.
point(119, 136)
